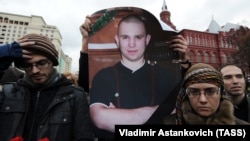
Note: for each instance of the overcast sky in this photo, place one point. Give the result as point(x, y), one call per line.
point(68, 15)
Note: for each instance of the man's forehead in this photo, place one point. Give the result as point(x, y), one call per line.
point(231, 70)
point(36, 58)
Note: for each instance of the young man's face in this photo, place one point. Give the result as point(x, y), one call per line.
point(39, 68)
point(234, 81)
point(132, 41)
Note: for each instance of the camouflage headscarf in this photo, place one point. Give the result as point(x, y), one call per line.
point(198, 73)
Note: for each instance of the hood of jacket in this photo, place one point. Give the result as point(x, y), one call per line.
point(54, 80)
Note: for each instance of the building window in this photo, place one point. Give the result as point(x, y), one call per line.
point(224, 58)
point(213, 58)
point(206, 57)
point(199, 57)
point(190, 40)
point(191, 54)
point(195, 41)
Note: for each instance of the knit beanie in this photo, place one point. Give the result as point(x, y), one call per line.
point(43, 45)
point(198, 73)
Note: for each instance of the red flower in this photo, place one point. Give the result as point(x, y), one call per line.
point(18, 138)
point(44, 139)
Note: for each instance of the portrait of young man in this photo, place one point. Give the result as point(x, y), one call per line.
point(127, 83)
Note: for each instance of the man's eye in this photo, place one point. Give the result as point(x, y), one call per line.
point(124, 37)
point(227, 77)
point(43, 62)
point(139, 37)
point(239, 76)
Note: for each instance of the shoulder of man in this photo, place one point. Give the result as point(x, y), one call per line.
point(81, 90)
point(10, 88)
point(78, 92)
point(78, 88)
point(7, 87)
point(74, 89)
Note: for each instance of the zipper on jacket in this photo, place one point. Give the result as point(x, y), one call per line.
point(34, 115)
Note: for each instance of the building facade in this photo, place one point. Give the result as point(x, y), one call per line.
point(214, 46)
point(13, 27)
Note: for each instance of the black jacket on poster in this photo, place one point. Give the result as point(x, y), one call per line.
point(64, 116)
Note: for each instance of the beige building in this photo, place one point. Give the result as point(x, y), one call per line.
point(13, 27)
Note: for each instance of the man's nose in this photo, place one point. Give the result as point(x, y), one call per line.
point(131, 42)
point(34, 68)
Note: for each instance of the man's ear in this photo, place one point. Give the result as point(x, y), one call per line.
point(116, 39)
point(148, 38)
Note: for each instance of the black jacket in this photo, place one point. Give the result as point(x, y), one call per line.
point(64, 118)
point(242, 110)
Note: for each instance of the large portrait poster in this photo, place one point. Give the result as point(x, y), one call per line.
point(102, 48)
point(103, 51)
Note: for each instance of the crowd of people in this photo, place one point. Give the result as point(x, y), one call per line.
point(39, 103)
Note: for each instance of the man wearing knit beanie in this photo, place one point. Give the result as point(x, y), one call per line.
point(45, 104)
point(201, 99)
point(42, 45)
point(42, 48)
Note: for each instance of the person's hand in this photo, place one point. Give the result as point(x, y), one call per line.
point(25, 42)
point(84, 29)
point(111, 105)
point(180, 44)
